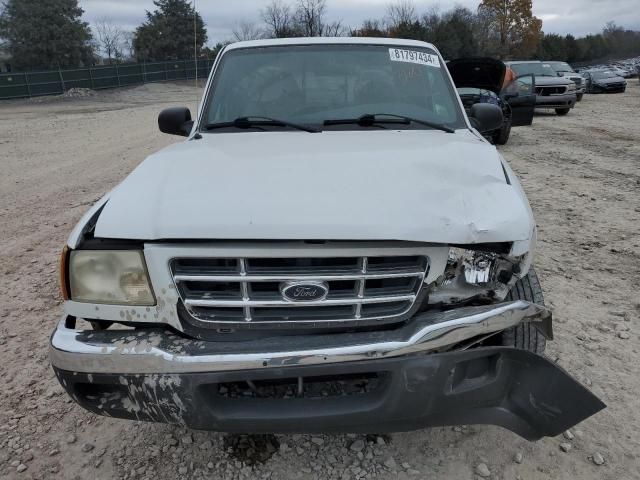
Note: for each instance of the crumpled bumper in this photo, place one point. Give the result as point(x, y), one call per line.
point(159, 376)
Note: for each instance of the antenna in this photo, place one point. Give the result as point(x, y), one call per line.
point(195, 39)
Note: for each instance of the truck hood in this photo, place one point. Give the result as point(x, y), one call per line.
point(484, 73)
point(411, 185)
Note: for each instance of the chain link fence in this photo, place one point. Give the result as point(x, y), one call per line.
point(56, 82)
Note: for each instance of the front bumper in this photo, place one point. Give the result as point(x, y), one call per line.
point(158, 376)
point(556, 101)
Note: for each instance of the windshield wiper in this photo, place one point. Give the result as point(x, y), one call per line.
point(370, 120)
point(258, 121)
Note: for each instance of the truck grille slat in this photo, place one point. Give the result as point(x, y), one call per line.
point(243, 290)
point(277, 278)
point(283, 303)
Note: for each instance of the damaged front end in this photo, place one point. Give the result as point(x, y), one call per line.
point(484, 274)
point(443, 361)
point(412, 377)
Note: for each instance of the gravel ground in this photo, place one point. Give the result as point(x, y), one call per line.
point(582, 175)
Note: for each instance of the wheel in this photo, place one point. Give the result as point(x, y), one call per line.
point(579, 96)
point(526, 336)
point(562, 111)
point(501, 137)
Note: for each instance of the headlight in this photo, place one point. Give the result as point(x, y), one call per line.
point(477, 268)
point(475, 274)
point(572, 87)
point(109, 277)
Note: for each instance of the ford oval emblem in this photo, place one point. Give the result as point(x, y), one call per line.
point(304, 291)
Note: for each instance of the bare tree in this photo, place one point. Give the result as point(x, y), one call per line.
point(369, 28)
point(246, 31)
point(127, 44)
point(335, 29)
point(278, 19)
point(401, 12)
point(485, 35)
point(431, 18)
point(309, 17)
point(110, 38)
point(306, 19)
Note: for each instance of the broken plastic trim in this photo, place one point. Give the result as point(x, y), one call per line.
point(500, 248)
point(516, 389)
point(330, 386)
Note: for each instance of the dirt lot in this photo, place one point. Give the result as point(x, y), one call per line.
point(582, 175)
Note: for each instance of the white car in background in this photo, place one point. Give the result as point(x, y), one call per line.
point(563, 69)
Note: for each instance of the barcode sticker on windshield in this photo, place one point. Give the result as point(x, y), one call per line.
point(413, 56)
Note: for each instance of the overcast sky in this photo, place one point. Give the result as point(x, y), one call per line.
point(578, 17)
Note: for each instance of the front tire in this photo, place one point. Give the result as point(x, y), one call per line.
point(580, 95)
point(525, 336)
point(501, 137)
point(562, 111)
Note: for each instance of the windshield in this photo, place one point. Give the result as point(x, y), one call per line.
point(602, 75)
point(561, 67)
point(533, 68)
point(309, 84)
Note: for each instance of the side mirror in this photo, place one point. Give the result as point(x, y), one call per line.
point(175, 121)
point(486, 117)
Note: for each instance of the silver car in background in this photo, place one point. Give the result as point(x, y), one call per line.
point(563, 69)
point(552, 92)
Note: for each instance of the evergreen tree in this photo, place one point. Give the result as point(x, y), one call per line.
point(573, 48)
point(552, 47)
point(45, 34)
point(453, 34)
point(168, 32)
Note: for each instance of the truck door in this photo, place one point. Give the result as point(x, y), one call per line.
point(521, 97)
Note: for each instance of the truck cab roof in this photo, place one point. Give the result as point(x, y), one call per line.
point(329, 41)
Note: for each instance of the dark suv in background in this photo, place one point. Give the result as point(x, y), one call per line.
point(552, 92)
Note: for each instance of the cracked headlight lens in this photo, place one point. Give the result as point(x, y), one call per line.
point(479, 268)
point(476, 274)
point(112, 277)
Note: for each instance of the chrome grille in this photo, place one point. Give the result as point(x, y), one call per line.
point(243, 290)
point(546, 91)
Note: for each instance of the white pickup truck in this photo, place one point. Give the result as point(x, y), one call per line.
point(334, 248)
